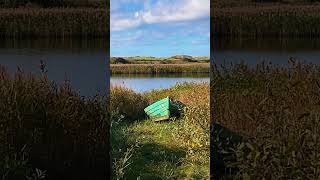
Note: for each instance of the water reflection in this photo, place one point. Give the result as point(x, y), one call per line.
point(277, 51)
point(83, 62)
point(144, 83)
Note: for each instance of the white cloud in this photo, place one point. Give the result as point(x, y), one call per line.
point(127, 38)
point(182, 10)
point(118, 24)
point(163, 11)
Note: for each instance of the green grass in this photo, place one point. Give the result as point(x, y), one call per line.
point(168, 150)
point(159, 154)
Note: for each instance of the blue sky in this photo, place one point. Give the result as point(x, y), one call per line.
point(160, 28)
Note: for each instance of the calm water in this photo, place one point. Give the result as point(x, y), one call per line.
point(277, 51)
point(83, 62)
point(147, 83)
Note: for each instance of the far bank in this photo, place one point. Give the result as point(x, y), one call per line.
point(179, 64)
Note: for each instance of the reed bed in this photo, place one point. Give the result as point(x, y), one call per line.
point(276, 110)
point(49, 131)
point(188, 135)
point(52, 3)
point(125, 102)
point(160, 68)
point(295, 21)
point(53, 22)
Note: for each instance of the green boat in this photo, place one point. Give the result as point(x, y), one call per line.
point(162, 109)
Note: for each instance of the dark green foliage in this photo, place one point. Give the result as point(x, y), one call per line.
point(119, 60)
point(224, 140)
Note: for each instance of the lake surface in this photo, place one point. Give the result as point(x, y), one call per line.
point(144, 83)
point(82, 61)
point(277, 51)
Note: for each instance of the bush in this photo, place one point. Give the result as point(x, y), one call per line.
point(125, 102)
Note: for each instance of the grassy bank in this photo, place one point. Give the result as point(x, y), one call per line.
point(276, 111)
point(53, 22)
point(177, 149)
point(49, 131)
point(294, 21)
point(200, 68)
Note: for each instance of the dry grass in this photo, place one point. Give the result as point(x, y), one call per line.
point(50, 128)
point(160, 68)
point(54, 22)
point(263, 21)
point(126, 102)
point(53, 3)
point(276, 109)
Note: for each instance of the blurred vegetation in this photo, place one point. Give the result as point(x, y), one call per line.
point(53, 3)
point(49, 131)
point(276, 111)
point(280, 21)
point(266, 18)
point(259, 3)
point(54, 22)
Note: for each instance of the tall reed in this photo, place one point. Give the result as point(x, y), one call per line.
point(276, 110)
point(53, 22)
point(52, 3)
point(160, 68)
point(51, 128)
point(267, 21)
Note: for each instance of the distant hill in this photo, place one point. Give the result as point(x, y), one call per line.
point(177, 59)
